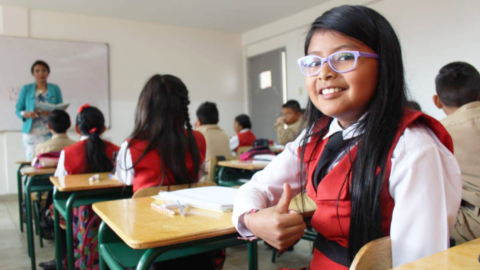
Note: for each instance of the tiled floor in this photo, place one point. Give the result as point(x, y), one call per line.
point(13, 247)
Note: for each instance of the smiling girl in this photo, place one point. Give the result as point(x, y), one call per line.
point(373, 167)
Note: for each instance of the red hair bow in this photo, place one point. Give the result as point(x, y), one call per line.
point(86, 105)
point(93, 130)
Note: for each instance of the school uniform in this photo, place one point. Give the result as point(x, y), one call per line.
point(464, 127)
point(288, 134)
point(55, 144)
point(73, 159)
point(243, 138)
point(419, 207)
point(148, 171)
point(216, 140)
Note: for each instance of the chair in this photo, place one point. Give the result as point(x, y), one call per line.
point(375, 255)
point(152, 191)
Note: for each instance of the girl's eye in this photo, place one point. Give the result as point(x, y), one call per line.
point(314, 64)
point(344, 57)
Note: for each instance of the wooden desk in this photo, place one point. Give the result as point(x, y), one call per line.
point(141, 227)
point(230, 172)
point(31, 171)
point(77, 182)
point(77, 190)
point(464, 256)
point(36, 181)
point(237, 164)
point(23, 162)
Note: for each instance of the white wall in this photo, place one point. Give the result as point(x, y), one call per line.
point(210, 64)
point(432, 33)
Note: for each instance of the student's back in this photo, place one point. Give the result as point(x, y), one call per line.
point(216, 138)
point(458, 89)
point(163, 149)
point(58, 124)
point(91, 153)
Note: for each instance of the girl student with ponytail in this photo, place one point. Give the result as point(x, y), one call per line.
point(89, 155)
point(163, 149)
point(373, 167)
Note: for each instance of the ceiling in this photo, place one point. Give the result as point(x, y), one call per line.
point(236, 16)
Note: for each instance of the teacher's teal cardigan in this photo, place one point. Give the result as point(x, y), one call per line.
point(26, 102)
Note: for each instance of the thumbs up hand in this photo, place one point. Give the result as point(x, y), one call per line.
point(277, 225)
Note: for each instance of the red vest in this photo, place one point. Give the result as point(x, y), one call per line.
point(76, 158)
point(332, 218)
point(148, 170)
point(245, 139)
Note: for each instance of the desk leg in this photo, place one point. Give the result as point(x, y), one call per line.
point(58, 241)
point(28, 206)
point(220, 175)
point(252, 256)
point(20, 195)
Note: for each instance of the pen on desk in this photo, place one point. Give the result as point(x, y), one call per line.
point(180, 208)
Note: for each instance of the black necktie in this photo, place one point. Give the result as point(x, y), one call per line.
point(333, 148)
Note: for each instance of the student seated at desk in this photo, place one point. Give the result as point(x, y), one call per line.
point(91, 154)
point(216, 138)
point(244, 136)
point(164, 150)
point(58, 123)
point(292, 118)
point(458, 89)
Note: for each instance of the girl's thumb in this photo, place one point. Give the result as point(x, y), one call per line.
point(284, 201)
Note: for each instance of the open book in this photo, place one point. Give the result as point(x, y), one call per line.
point(214, 198)
point(44, 106)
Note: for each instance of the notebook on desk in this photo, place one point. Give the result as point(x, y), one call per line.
point(214, 198)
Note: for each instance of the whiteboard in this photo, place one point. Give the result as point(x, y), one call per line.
point(80, 69)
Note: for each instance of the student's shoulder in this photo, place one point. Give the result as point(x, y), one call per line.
point(112, 145)
point(418, 139)
point(198, 136)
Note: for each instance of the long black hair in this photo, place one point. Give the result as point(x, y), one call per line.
point(90, 122)
point(161, 117)
point(384, 113)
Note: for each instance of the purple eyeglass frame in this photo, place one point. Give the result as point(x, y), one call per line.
point(323, 60)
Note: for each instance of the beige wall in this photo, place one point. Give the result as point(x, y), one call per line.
point(210, 64)
point(432, 33)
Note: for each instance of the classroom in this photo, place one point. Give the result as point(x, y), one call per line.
point(218, 50)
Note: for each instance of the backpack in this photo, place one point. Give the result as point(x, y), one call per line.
point(46, 160)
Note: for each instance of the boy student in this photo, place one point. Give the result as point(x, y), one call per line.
point(292, 117)
point(458, 89)
point(217, 140)
point(58, 123)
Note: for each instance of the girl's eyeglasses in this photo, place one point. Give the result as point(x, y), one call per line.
point(340, 62)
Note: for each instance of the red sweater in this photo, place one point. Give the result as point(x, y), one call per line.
point(332, 218)
point(245, 139)
point(148, 171)
point(76, 158)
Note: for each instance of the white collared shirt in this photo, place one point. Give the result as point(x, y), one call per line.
point(234, 142)
point(425, 183)
point(60, 171)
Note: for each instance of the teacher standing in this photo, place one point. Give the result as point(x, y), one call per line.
point(35, 121)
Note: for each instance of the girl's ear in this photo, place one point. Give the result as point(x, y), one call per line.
point(77, 130)
point(437, 101)
point(103, 130)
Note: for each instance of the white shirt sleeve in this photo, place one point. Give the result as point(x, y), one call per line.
point(234, 142)
point(60, 171)
point(266, 186)
point(426, 185)
point(124, 171)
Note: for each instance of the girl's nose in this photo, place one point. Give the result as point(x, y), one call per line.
point(326, 72)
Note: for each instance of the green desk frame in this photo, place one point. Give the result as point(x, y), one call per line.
point(36, 183)
point(64, 202)
point(20, 194)
point(228, 177)
point(116, 255)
